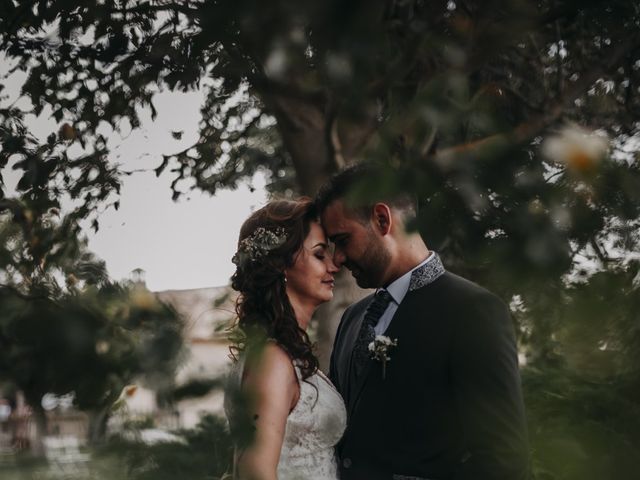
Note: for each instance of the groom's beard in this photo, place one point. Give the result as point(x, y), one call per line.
point(369, 270)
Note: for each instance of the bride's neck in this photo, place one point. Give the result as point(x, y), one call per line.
point(302, 310)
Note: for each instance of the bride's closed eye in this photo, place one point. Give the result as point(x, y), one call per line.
point(320, 252)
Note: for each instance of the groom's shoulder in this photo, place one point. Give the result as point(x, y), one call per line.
point(462, 285)
point(462, 289)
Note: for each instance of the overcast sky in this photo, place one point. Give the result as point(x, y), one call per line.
point(180, 245)
point(188, 244)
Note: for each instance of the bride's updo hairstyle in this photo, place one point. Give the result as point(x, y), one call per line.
point(270, 240)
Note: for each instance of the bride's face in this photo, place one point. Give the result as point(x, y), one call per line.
point(310, 279)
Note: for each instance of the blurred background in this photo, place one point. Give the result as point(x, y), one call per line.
point(136, 136)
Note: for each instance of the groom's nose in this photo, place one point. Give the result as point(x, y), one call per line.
point(339, 257)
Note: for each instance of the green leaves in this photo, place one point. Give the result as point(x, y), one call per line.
point(580, 428)
point(65, 328)
point(451, 99)
point(89, 342)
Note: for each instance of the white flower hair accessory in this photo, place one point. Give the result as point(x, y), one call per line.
point(379, 350)
point(259, 244)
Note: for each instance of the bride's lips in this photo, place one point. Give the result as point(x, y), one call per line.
point(330, 283)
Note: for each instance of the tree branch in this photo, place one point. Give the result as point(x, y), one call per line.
point(21, 295)
point(147, 7)
point(494, 144)
point(596, 248)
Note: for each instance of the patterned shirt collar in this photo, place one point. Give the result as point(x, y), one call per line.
point(400, 286)
point(426, 273)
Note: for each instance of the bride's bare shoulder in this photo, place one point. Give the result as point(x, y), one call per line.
point(269, 363)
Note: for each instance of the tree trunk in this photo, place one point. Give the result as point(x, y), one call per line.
point(319, 144)
point(99, 416)
point(98, 419)
point(303, 126)
point(41, 424)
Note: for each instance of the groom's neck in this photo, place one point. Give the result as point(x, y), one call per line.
point(408, 253)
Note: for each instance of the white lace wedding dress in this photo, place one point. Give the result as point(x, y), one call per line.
point(314, 427)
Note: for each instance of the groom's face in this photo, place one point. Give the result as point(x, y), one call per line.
point(357, 244)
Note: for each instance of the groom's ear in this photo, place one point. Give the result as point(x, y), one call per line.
point(382, 218)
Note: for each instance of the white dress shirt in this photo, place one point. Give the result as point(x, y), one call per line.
point(397, 289)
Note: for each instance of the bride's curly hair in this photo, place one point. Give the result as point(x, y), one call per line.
point(270, 240)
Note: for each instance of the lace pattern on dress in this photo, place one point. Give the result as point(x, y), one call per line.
point(314, 427)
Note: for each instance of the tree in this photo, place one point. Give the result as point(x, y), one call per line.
point(303, 89)
point(86, 336)
point(455, 100)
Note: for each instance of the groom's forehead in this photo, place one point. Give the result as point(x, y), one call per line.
point(335, 212)
point(337, 217)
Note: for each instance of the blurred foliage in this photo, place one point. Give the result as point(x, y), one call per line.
point(136, 423)
point(584, 410)
point(456, 100)
point(65, 328)
point(188, 389)
point(205, 454)
point(580, 427)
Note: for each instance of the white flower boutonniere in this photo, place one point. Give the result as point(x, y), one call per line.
point(379, 350)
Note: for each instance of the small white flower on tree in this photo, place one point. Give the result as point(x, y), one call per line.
point(580, 149)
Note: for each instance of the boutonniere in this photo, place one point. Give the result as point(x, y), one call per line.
point(379, 350)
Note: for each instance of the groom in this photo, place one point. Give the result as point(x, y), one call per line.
point(448, 403)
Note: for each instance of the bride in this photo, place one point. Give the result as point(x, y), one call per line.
point(285, 414)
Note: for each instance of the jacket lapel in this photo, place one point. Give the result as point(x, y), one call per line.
point(349, 340)
point(358, 384)
point(391, 332)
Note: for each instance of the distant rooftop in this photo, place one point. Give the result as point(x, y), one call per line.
point(206, 310)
